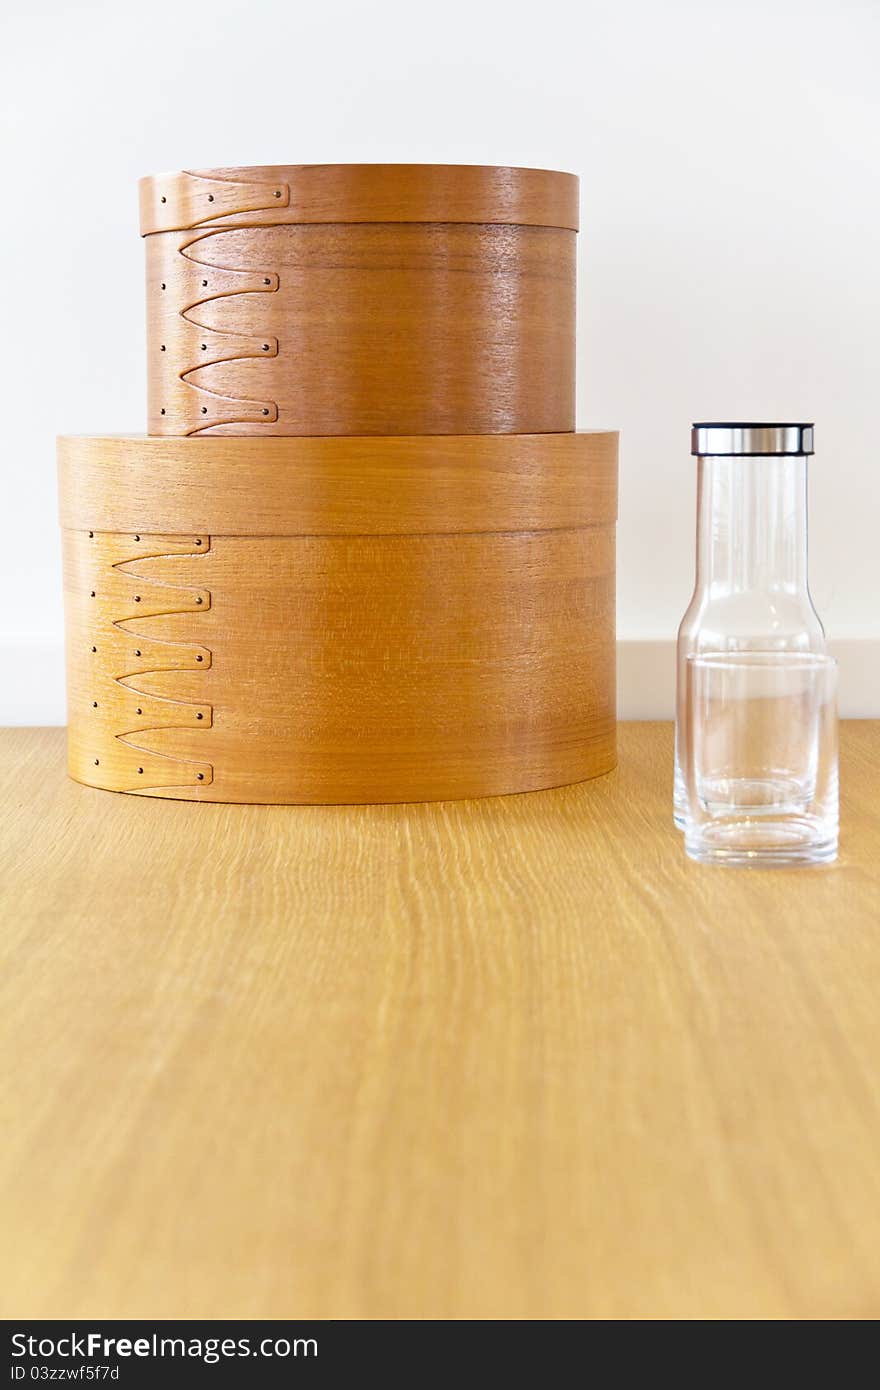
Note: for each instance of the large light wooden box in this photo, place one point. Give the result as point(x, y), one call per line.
point(397, 584)
point(315, 620)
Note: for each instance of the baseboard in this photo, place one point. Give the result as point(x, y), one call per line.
point(32, 680)
point(646, 678)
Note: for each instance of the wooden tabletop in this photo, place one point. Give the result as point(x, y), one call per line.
point(513, 1058)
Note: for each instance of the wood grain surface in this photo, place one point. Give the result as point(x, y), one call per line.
point(314, 193)
point(382, 487)
point(361, 328)
point(509, 1058)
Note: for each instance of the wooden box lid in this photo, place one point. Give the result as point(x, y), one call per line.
point(399, 485)
point(272, 194)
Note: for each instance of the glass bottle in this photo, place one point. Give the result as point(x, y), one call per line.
point(751, 592)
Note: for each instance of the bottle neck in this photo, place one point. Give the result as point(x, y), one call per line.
point(752, 524)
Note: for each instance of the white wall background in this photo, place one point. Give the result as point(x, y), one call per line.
point(729, 254)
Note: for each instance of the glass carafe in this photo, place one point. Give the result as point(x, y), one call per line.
point(751, 592)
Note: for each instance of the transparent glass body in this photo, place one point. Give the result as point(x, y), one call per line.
point(759, 758)
point(751, 592)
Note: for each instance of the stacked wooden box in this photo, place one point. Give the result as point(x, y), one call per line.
point(362, 554)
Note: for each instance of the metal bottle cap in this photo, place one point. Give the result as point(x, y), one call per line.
point(748, 437)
